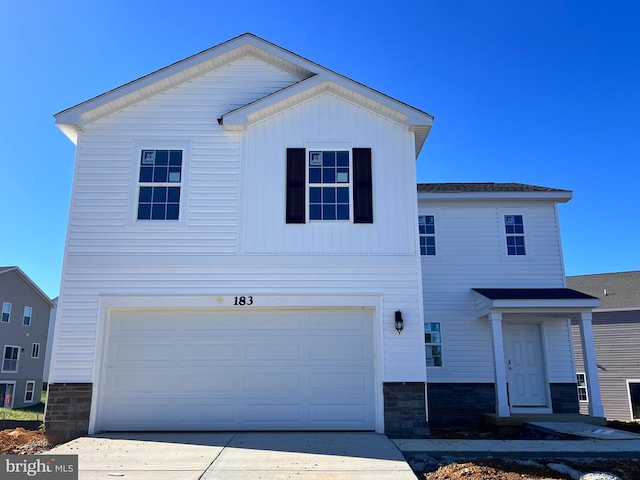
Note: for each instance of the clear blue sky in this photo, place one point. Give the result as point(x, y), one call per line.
point(544, 92)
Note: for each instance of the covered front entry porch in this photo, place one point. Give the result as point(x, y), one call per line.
point(530, 331)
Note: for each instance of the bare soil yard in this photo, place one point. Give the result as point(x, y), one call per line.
point(24, 442)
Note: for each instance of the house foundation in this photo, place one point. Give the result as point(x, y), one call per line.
point(405, 413)
point(68, 410)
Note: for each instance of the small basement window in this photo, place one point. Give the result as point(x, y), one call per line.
point(634, 398)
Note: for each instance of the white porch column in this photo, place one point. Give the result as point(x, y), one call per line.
point(500, 373)
point(590, 365)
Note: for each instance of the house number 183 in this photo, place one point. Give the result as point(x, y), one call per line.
point(243, 301)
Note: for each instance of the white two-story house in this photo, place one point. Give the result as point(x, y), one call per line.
point(243, 253)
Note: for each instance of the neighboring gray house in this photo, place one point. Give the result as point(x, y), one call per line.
point(616, 332)
point(24, 326)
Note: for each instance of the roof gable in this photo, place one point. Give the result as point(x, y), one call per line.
point(312, 77)
point(28, 281)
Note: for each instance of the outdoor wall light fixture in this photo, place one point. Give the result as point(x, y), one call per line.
point(399, 322)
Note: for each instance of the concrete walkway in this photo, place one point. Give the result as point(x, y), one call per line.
point(587, 448)
point(235, 456)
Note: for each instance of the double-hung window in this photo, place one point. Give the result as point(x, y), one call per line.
point(10, 359)
point(427, 230)
point(433, 344)
point(329, 185)
point(514, 229)
point(160, 182)
point(583, 395)
point(29, 391)
point(334, 185)
point(6, 312)
point(26, 317)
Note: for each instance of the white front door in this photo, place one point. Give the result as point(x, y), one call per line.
point(524, 360)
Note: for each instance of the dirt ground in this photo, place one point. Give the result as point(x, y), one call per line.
point(24, 442)
point(19, 441)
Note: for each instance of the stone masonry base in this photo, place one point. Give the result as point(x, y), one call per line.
point(466, 403)
point(405, 410)
point(68, 410)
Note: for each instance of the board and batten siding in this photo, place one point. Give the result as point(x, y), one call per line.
point(471, 253)
point(224, 247)
point(330, 121)
point(616, 336)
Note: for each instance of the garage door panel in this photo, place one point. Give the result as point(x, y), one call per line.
point(355, 382)
point(210, 351)
point(239, 370)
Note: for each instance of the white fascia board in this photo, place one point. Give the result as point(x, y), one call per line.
point(571, 303)
point(176, 73)
point(417, 121)
point(560, 196)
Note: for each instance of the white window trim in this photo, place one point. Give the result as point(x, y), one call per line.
point(441, 342)
point(33, 347)
point(13, 395)
point(436, 235)
point(4, 350)
point(528, 256)
point(3, 312)
point(309, 185)
point(24, 315)
point(154, 143)
point(585, 387)
point(33, 391)
point(629, 381)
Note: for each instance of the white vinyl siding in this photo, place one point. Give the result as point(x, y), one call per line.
point(176, 276)
point(235, 243)
point(315, 124)
point(462, 264)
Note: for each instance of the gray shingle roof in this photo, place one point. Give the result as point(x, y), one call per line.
point(622, 288)
point(483, 187)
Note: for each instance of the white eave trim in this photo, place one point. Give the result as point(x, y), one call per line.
point(72, 120)
point(417, 121)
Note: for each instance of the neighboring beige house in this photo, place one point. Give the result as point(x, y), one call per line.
point(24, 326)
point(616, 332)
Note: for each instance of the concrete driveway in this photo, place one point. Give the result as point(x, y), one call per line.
point(235, 456)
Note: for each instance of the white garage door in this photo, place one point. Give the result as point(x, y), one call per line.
point(238, 370)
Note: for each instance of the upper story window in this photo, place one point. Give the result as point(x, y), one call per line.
point(6, 312)
point(514, 229)
point(329, 185)
point(10, 359)
point(159, 184)
point(26, 317)
point(427, 230)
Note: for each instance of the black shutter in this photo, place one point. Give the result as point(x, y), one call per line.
point(295, 185)
point(362, 186)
